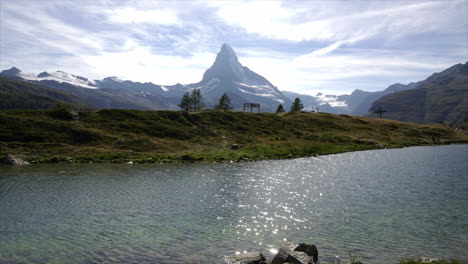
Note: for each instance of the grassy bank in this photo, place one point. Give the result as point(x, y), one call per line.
point(162, 136)
point(415, 261)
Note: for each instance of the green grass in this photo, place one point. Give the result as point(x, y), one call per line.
point(112, 135)
point(413, 261)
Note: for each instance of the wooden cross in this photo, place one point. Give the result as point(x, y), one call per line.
point(380, 111)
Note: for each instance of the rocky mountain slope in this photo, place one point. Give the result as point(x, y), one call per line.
point(22, 95)
point(241, 84)
point(108, 93)
point(442, 97)
point(226, 75)
point(360, 101)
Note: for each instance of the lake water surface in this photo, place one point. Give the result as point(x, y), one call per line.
point(380, 205)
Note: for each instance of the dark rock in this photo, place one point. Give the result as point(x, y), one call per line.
point(234, 146)
point(296, 253)
point(12, 160)
point(430, 260)
point(246, 258)
point(43, 74)
point(74, 115)
point(64, 113)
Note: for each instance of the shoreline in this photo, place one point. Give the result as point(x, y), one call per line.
point(145, 159)
point(119, 136)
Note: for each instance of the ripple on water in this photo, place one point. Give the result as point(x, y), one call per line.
point(375, 204)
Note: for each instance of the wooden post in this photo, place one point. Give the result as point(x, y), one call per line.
point(252, 106)
point(380, 111)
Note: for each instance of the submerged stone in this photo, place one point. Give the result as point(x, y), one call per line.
point(430, 260)
point(296, 253)
point(246, 258)
point(13, 160)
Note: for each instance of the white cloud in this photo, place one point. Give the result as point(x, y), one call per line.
point(41, 29)
point(264, 17)
point(168, 42)
point(139, 63)
point(342, 73)
point(133, 15)
point(341, 21)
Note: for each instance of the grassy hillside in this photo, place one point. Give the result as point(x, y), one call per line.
point(23, 95)
point(151, 136)
point(441, 98)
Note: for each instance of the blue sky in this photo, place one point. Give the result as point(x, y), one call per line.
point(303, 46)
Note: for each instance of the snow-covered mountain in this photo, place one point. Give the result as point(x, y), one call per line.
point(58, 76)
point(335, 104)
point(107, 93)
point(241, 84)
point(226, 75)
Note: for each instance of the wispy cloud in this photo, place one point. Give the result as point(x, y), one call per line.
point(306, 46)
point(133, 15)
point(335, 23)
point(365, 69)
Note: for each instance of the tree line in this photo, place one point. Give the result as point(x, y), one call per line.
point(296, 106)
point(194, 102)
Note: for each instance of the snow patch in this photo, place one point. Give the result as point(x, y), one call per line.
point(259, 88)
point(258, 94)
point(331, 100)
point(60, 76)
point(254, 86)
point(115, 79)
point(27, 76)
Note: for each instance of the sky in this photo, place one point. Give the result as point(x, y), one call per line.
point(307, 47)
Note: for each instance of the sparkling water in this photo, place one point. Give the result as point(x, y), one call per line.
point(380, 205)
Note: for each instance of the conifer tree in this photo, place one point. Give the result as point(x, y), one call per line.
point(197, 100)
point(280, 109)
point(186, 102)
point(224, 103)
point(296, 106)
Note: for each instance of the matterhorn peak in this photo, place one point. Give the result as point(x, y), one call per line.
point(227, 52)
point(227, 75)
point(226, 57)
point(225, 66)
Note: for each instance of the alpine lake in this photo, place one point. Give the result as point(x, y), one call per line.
point(380, 206)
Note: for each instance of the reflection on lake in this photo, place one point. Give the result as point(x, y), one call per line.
point(381, 205)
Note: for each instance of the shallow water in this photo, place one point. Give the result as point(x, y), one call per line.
point(380, 205)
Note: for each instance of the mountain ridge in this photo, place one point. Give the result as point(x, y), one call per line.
point(442, 97)
point(226, 75)
point(16, 94)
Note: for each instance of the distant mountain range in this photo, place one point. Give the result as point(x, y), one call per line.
point(443, 97)
point(226, 75)
point(18, 94)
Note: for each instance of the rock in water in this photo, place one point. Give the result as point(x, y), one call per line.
point(430, 260)
point(296, 253)
point(12, 160)
point(246, 258)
